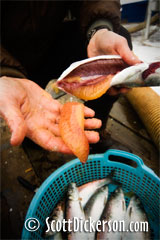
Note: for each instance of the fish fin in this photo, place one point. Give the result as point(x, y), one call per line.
point(81, 206)
point(130, 211)
point(105, 200)
point(123, 205)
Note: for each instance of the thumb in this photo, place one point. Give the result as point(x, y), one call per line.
point(128, 56)
point(16, 123)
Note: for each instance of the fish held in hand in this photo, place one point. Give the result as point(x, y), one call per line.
point(71, 127)
point(91, 78)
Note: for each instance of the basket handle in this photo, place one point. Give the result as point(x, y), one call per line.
point(123, 154)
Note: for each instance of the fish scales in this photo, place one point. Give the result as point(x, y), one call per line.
point(95, 206)
point(56, 236)
point(74, 209)
point(136, 213)
point(114, 210)
point(88, 189)
point(57, 215)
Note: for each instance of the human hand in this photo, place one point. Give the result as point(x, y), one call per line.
point(109, 43)
point(105, 42)
point(30, 111)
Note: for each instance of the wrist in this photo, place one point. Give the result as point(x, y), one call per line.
point(95, 31)
point(98, 25)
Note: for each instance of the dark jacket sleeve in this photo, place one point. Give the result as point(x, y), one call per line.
point(10, 66)
point(102, 10)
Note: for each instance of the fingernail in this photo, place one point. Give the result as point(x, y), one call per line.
point(135, 58)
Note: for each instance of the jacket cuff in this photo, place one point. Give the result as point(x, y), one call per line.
point(11, 72)
point(99, 24)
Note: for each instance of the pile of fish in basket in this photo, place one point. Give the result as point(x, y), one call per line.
point(92, 212)
point(123, 194)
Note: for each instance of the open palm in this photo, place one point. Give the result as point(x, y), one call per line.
point(30, 111)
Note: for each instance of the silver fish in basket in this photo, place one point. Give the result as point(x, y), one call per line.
point(136, 214)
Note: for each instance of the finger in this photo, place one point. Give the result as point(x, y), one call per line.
point(88, 112)
point(16, 123)
point(53, 128)
point(93, 137)
point(124, 90)
point(125, 52)
point(92, 123)
point(51, 104)
point(48, 141)
point(50, 116)
point(57, 119)
point(115, 91)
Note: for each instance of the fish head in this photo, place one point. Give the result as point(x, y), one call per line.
point(135, 202)
point(73, 193)
point(58, 211)
point(118, 195)
point(104, 188)
point(118, 191)
point(135, 199)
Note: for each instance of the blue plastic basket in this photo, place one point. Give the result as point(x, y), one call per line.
point(140, 180)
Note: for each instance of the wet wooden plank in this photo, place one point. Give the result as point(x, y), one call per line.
point(136, 144)
point(44, 162)
point(15, 199)
point(124, 113)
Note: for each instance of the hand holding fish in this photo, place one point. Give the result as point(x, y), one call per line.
point(105, 42)
point(30, 111)
point(109, 43)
